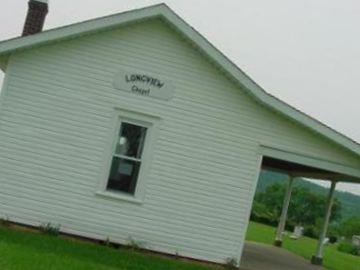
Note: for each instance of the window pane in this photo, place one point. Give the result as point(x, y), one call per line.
point(123, 175)
point(131, 140)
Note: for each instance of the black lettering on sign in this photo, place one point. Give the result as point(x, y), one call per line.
point(140, 91)
point(141, 83)
point(144, 79)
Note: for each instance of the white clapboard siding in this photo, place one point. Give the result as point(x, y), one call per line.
point(56, 117)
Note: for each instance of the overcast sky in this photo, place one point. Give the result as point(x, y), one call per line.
point(305, 52)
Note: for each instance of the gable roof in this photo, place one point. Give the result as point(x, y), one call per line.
point(164, 12)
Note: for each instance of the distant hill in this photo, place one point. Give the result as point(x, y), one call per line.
point(350, 202)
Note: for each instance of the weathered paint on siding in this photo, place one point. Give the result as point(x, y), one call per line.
point(55, 120)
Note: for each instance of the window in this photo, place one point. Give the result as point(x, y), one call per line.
point(127, 158)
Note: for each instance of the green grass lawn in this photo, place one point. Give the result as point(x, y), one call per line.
point(21, 250)
point(34, 251)
point(305, 247)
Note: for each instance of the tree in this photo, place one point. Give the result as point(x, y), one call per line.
point(305, 207)
point(350, 227)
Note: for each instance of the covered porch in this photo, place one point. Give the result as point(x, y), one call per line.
point(301, 166)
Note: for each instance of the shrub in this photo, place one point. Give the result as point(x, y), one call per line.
point(332, 239)
point(261, 214)
point(107, 242)
point(289, 227)
point(349, 248)
point(135, 244)
point(350, 227)
point(310, 231)
point(50, 229)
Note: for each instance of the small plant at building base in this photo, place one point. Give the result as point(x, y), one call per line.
point(107, 242)
point(177, 255)
point(231, 263)
point(5, 222)
point(135, 245)
point(50, 229)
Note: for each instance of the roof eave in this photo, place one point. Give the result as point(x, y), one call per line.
point(82, 28)
point(255, 90)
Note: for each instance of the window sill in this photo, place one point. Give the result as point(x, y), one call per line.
point(119, 196)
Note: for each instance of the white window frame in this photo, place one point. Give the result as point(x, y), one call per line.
point(140, 119)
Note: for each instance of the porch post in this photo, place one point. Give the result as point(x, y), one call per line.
point(317, 259)
point(285, 207)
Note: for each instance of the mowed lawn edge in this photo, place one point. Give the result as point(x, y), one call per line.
point(304, 247)
point(35, 251)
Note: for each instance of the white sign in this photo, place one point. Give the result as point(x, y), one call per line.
point(144, 84)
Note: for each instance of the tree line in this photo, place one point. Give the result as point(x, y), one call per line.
point(306, 209)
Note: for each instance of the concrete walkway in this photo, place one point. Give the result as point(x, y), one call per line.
point(264, 257)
